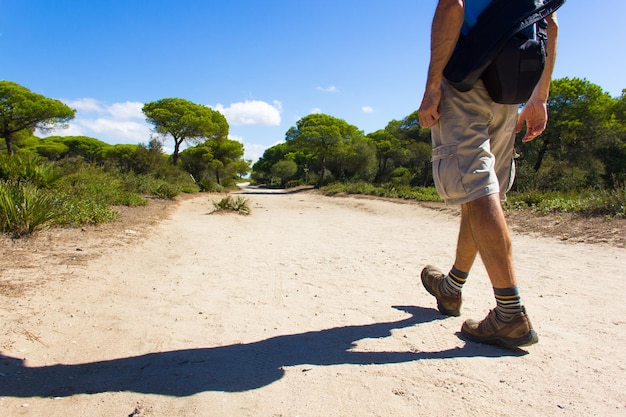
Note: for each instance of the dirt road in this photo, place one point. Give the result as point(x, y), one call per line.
point(310, 306)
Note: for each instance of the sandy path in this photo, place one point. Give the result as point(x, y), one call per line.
point(311, 306)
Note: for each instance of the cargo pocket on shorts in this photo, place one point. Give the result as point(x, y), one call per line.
point(446, 173)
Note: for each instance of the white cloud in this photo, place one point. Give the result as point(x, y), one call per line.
point(316, 110)
point(253, 151)
point(115, 123)
point(329, 89)
point(367, 109)
point(252, 112)
point(126, 110)
point(85, 105)
point(123, 131)
point(72, 129)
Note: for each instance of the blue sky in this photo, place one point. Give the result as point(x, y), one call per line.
point(264, 64)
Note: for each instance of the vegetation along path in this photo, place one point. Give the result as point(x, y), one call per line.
point(309, 306)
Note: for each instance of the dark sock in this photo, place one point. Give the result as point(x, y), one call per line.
point(508, 302)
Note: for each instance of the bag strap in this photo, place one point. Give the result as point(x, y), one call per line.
point(495, 26)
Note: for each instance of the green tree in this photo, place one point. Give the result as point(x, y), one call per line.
point(185, 121)
point(90, 149)
point(389, 150)
point(219, 160)
point(413, 151)
point(51, 150)
point(565, 155)
point(284, 170)
point(355, 160)
point(323, 136)
point(121, 155)
point(22, 109)
point(227, 159)
point(149, 159)
point(613, 155)
point(262, 168)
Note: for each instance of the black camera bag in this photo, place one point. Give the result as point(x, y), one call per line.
point(506, 48)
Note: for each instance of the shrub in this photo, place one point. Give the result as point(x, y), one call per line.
point(25, 208)
point(239, 205)
point(27, 167)
point(588, 202)
point(210, 186)
point(165, 191)
point(388, 190)
point(78, 211)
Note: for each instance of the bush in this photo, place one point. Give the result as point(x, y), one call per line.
point(385, 190)
point(238, 205)
point(25, 208)
point(294, 183)
point(165, 191)
point(27, 167)
point(209, 186)
point(588, 202)
point(78, 211)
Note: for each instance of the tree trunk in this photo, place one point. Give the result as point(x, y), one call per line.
point(177, 143)
point(9, 143)
point(541, 155)
point(322, 172)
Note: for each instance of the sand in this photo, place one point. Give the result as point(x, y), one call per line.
point(310, 306)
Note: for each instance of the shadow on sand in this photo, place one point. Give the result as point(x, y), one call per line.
point(232, 368)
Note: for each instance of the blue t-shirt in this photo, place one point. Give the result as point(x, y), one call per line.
point(473, 9)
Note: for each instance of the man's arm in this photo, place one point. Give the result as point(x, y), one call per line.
point(445, 31)
point(535, 112)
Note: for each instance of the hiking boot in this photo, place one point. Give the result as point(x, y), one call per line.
point(432, 279)
point(509, 334)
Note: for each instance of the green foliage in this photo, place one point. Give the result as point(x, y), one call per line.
point(611, 203)
point(80, 211)
point(23, 110)
point(38, 193)
point(387, 190)
point(28, 168)
point(219, 161)
point(576, 149)
point(166, 191)
point(211, 186)
point(239, 205)
point(149, 159)
point(92, 183)
point(327, 140)
point(284, 170)
point(185, 121)
point(24, 208)
point(156, 187)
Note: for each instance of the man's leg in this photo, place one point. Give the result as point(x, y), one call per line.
point(490, 234)
point(507, 325)
point(447, 287)
point(466, 250)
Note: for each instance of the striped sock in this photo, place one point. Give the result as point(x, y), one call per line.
point(508, 302)
point(454, 281)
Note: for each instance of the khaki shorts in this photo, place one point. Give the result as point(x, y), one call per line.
point(473, 145)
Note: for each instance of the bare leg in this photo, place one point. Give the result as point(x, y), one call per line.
point(465, 248)
point(491, 238)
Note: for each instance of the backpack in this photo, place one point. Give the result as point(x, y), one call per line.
point(506, 48)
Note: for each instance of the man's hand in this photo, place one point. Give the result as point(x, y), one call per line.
point(534, 115)
point(428, 112)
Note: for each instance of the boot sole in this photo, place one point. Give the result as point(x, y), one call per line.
point(528, 339)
